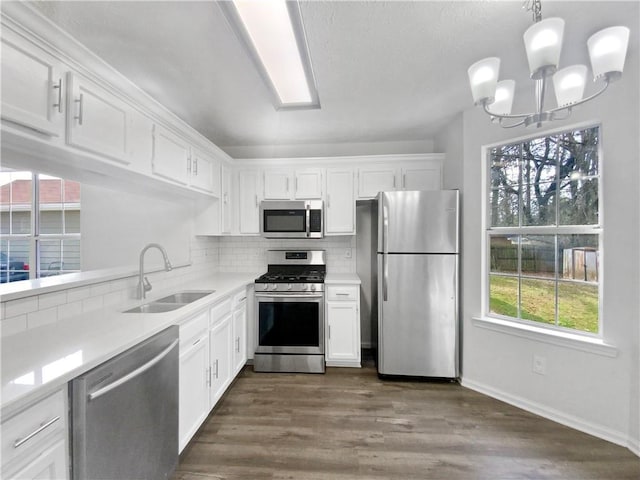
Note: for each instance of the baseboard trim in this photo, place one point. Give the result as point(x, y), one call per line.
point(576, 423)
point(634, 446)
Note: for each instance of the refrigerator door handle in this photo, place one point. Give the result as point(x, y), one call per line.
point(385, 249)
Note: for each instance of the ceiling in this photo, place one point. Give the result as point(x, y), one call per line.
point(385, 71)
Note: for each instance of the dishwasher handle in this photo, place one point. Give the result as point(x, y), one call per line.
point(138, 371)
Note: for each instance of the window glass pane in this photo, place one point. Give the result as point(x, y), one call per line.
point(579, 202)
point(5, 223)
point(16, 201)
point(51, 221)
point(578, 257)
point(503, 295)
point(14, 260)
point(71, 255)
point(72, 221)
point(59, 256)
point(578, 305)
point(503, 205)
point(539, 204)
point(21, 222)
point(505, 166)
point(538, 255)
point(538, 300)
point(51, 205)
point(503, 253)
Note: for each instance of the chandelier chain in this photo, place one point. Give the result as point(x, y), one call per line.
point(535, 7)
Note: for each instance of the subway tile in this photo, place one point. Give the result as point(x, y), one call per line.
point(53, 299)
point(69, 310)
point(100, 289)
point(12, 325)
point(92, 303)
point(80, 293)
point(42, 317)
point(20, 306)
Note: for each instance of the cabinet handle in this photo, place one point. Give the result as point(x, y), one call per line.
point(256, 200)
point(59, 87)
point(243, 298)
point(195, 167)
point(341, 294)
point(329, 331)
point(296, 186)
point(287, 184)
point(404, 181)
point(328, 201)
point(208, 379)
point(217, 369)
point(80, 102)
point(189, 165)
point(394, 181)
point(238, 344)
point(197, 341)
point(43, 426)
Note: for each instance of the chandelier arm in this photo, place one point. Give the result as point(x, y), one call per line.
point(499, 115)
point(584, 100)
point(517, 124)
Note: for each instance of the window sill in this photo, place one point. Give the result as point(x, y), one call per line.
point(562, 339)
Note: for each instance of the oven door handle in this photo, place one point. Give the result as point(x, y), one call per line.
point(289, 295)
point(308, 219)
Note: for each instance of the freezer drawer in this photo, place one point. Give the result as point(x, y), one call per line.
point(418, 315)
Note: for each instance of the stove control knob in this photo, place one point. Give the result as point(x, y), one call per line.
point(289, 287)
point(265, 286)
point(304, 286)
point(313, 287)
point(274, 287)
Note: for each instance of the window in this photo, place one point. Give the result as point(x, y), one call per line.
point(39, 224)
point(543, 230)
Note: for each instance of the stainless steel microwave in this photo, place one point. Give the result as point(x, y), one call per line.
point(291, 219)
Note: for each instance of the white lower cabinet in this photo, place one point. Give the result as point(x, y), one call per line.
point(34, 442)
point(220, 358)
point(194, 376)
point(343, 326)
point(239, 332)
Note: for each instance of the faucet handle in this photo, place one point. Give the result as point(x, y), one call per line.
point(146, 284)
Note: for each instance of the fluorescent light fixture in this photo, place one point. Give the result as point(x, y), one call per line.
point(273, 34)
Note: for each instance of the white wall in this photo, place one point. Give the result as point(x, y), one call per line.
point(116, 225)
point(589, 391)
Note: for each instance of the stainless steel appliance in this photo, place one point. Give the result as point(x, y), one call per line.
point(290, 313)
point(291, 219)
point(125, 414)
point(417, 274)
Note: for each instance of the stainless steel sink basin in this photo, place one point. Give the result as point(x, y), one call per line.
point(184, 297)
point(171, 302)
point(155, 307)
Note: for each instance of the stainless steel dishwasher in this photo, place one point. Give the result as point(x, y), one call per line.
point(124, 414)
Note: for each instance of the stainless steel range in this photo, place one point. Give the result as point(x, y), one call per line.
point(290, 312)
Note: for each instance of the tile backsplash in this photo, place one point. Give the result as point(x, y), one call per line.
point(208, 254)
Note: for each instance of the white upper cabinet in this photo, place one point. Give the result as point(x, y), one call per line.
point(32, 86)
point(277, 184)
point(340, 203)
point(205, 172)
point(290, 184)
point(422, 178)
point(97, 120)
point(249, 197)
point(372, 180)
point(171, 155)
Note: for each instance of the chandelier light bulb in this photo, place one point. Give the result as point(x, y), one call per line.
point(483, 77)
point(607, 51)
point(543, 43)
point(569, 84)
point(503, 98)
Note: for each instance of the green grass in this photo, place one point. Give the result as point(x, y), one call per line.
point(577, 302)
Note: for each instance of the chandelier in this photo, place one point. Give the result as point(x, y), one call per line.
point(543, 42)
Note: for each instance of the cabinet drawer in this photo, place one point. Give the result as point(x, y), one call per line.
point(239, 298)
point(24, 432)
point(193, 328)
point(220, 310)
point(342, 292)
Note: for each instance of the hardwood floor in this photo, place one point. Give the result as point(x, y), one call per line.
point(348, 424)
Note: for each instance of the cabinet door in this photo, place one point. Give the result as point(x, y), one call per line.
point(340, 206)
point(427, 178)
point(97, 121)
point(277, 184)
point(239, 337)
point(374, 180)
point(249, 183)
point(50, 465)
point(194, 388)
point(343, 332)
point(202, 167)
point(220, 358)
point(225, 224)
point(308, 184)
point(32, 87)
point(171, 155)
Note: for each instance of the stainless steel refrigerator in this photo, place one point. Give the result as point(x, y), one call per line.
point(417, 277)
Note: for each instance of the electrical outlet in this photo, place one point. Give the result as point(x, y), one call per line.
point(539, 365)
point(347, 253)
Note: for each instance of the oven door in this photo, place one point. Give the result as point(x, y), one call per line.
point(290, 323)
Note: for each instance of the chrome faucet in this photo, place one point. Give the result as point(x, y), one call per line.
point(143, 283)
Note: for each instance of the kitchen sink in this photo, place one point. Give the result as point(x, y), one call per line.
point(170, 302)
point(184, 297)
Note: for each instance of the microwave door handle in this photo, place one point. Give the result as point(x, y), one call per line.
point(308, 218)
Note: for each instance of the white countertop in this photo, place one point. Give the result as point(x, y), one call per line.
point(41, 360)
point(344, 278)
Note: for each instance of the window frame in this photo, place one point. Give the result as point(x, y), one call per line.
point(35, 236)
point(488, 231)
